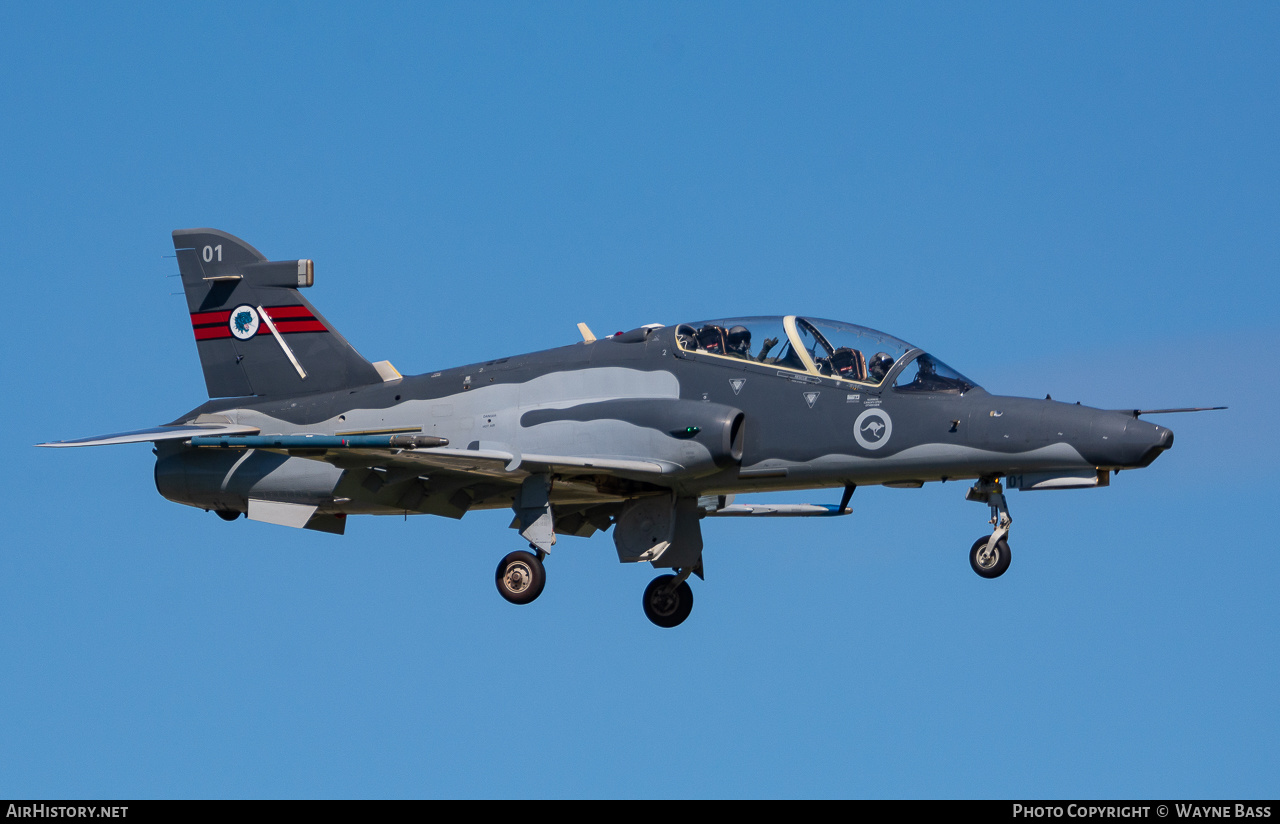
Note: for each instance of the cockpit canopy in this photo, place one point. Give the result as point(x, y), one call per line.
point(832, 349)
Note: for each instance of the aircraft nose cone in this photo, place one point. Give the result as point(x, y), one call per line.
point(1163, 439)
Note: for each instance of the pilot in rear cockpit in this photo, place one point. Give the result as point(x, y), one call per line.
point(879, 366)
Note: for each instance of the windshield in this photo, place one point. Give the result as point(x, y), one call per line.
point(928, 374)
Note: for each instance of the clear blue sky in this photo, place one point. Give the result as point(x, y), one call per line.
point(1080, 199)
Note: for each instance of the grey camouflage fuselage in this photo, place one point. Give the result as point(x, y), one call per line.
point(647, 432)
point(633, 397)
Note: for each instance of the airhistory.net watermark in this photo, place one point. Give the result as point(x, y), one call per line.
point(64, 811)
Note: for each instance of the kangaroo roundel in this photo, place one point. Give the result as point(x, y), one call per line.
point(873, 428)
point(244, 321)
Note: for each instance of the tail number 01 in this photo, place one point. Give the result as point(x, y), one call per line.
point(211, 253)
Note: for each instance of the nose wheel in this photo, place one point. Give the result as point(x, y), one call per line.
point(989, 561)
point(520, 577)
point(990, 555)
point(668, 599)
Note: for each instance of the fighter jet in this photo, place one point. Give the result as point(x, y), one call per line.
point(646, 432)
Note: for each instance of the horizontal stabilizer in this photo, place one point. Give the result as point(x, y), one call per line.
point(160, 433)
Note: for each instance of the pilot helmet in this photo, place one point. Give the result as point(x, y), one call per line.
point(738, 341)
point(880, 365)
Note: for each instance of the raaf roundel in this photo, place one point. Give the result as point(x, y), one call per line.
point(647, 432)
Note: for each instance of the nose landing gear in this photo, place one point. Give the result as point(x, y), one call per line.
point(990, 556)
point(989, 561)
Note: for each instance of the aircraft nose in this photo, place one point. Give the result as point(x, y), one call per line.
point(1121, 441)
point(1158, 439)
point(1164, 440)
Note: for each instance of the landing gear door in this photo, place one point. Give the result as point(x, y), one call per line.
point(645, 528)
point(662, 530)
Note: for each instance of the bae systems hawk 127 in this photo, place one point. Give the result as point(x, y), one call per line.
point(647, 432)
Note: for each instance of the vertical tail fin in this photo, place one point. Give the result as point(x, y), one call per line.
point(255, 333)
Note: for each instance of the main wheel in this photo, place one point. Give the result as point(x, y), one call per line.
point(520, 577)
point(990, 564)
point(665, 606)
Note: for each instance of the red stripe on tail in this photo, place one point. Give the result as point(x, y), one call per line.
point(202, 318)
point(284, 327)
point(281, 312)
point(212, 332)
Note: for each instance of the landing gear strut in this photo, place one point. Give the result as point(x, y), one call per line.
point(521, 577)
point(668, 599)
point(990, 556)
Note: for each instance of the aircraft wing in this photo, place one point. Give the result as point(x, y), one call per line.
point(159, 433)
point(512, 466)
point(426, 454)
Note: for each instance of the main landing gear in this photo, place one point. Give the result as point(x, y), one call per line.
point(990, 555)
point(668, 599)
point(663, 531)
point(521, 576)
